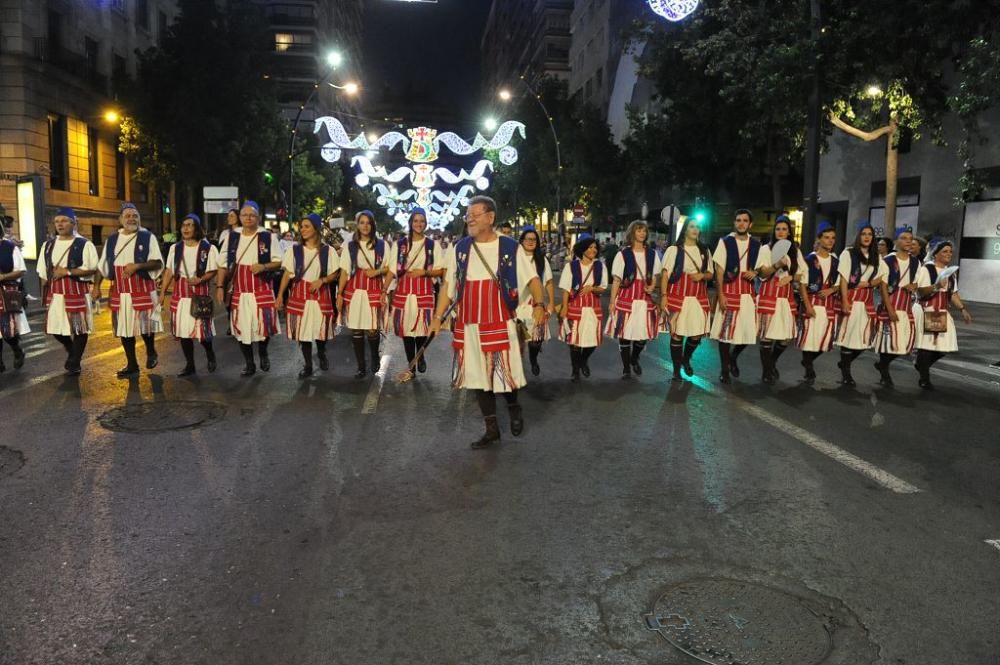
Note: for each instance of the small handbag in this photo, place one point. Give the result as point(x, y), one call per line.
point(935, 322)
point(202, 307)
point(13, 300)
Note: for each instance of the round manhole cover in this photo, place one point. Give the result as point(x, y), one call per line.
point(165, 416)
point(730, 622)
point(11, 461)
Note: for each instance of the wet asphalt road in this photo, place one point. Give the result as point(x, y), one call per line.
point(332, 522)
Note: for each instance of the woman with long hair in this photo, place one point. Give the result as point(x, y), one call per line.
point(862, 272)
point(822, 302)
point(310, 267)
point(633, 317)
point(361, 298)
point(582, 281)
point(937, 296)
point(687, 270)
point(191, 266)
point(532, 246)
point(777, 309)
point(414, 264)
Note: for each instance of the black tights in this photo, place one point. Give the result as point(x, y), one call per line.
point(411, 345)
point(128, 343)
point(630, 350)
point(247, 350)
point(926, 358)
point(488, 401)
point(75, 346)
point(306, 348)
point(187, 346)
point(358, 342)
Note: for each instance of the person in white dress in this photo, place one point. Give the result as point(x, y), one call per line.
point(740, 260)
point(531, 245)
point(687, 270)
point(247, 257)
point(13, 321)
point(777, 308)
point(132, 261)
point(66, 269)
point(414, 262)
point(937, 296)
point(361, 297)
point(232, 224)
point(862, 271)
point(485, 275)
point(633, 317)
point(192, 263)
point(896, 338)
point(310, 268)
point(582, 281)
point(821, 306)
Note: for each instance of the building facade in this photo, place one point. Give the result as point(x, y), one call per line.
point(529, 38)
point(60, 64)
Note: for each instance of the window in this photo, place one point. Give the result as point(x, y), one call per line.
point(142, 14)
point(92, 50)
point(291, 41)
point(93, 167)
point(119, 175)
point(119, 67)
point(55, 33)
point(57, 151)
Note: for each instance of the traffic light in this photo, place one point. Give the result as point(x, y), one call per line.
point(165, 203)
point(268, 178)
point(700, 212)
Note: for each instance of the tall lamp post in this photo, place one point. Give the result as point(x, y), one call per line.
point(334, 59)
point(506, 96)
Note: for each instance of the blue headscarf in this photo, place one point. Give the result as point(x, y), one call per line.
point(315, 219)
point(865, 224)
point(126, 206)
point(251, 204)
point(900, 230)
point(417, 211)
point(194, 218)
point(823, 227)
point(67, 212)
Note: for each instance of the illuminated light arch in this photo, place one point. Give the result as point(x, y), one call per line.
point(673, 10)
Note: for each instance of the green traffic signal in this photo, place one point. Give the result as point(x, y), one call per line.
point(700, 216)
point(268, 178)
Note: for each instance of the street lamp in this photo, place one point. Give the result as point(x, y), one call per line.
point(505, 95)
point(333, 59)
point(112, 116)
point(350, 88)
point(490, 124)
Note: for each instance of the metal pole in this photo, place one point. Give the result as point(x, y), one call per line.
point(291, 142)
point(810, 187)
point(555, 138)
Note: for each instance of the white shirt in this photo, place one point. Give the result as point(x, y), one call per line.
point(189, 262)
point(867, 273)
point(618, 266)
point(477, 271)
point(763, 257)
point(314, 269)
point(366, 258)
point(566, 277)
point(60, 257)
point(416, 256)
point(246, 255)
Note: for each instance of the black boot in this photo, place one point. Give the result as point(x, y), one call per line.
point(15, 346)
point(422, 362)
point(585, 361)
point(637, 348)
point(766, 360)
point(846, 358)
point(209, 355)
point(373, 344)
point(690, 345)
point(725, 362)
point(187, 346)
point(324, 364)
point(925, 359)
point(265, 360)
point(67, 343)
point(882, 365)
point(131, 369)
point(534, 348)
point(307, 356)
point(514, 411)
point(575, 361)
point(734, 367)
point(807, 362)
point(152, 359)
point(779, 348)
point(3, 368)
point(249, 368)
point(410, 349)
point(625, 349)
point(358, 342)
point(676, 358)
point(488, 407)
point(77, 347)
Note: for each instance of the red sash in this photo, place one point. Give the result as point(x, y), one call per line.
point(483, 306)
point(577, 304)
point(301, 294)
point(938, 302)
point(866, 296)
point(902, 302)
point(771, 293)
point(683, 288)
point(141, 290)
point(74, 294)
point(184, 290)
point(733, 292)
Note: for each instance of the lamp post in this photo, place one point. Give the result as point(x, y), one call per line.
point(334, 59)
point(506, 96)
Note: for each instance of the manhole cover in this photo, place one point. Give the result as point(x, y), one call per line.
point(729, 622)
point(166, 416)
point(10, 461)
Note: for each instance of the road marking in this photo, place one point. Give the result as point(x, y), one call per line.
point(53, 375)
point(817, 443)
point(994, 543)
point(375, 390)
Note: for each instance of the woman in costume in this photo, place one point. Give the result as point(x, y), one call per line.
point(13, 321)
point(777, 308)
point(361, 297)
point(531, 245)
point(413, 264)
point(862, 272)
point(687, 270)
point(937, 296)
point(582, 281)
point(633, 317)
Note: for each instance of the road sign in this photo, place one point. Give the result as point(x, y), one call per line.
point(220, 207)
point(578, 210)
point(220, 193)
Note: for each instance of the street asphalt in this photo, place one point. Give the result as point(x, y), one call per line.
point(333, 521)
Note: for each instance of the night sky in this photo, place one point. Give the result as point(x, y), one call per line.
point(425, 49)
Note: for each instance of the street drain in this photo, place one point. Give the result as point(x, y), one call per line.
point(164, 416)
point(730, 622)
point(11, 461)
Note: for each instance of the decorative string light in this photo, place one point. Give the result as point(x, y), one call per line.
point(673, 10)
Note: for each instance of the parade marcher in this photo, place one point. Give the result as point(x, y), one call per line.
point(896, 338)
point(821, 305)
point(582, 281)
point(132, 261)
point(414, 263)
point(531, 245)
point(247, 256)
point(687, 270)
point(937, 336)
point(192, 263)
point(13, 321)
point(485, 276)
point(310, 267)
point(361, 298)
point(633, 318)
point(777, 309)
point(232, 224)
point(862, 271)
point(739, 260)
point(69, 263)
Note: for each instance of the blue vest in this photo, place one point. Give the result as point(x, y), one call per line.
point(354, 247)
point(204, 247)
point(576, 270)
point(506, 273)
point(629, 274)
point(299, 255)
point(733, 257)
point(857, 265)
point(6, 256)
point(263, 247)
point(74, 258)
point(403, 252)
point(894, 276)
point(679, 263)
point(142, 243)
point(816, 283)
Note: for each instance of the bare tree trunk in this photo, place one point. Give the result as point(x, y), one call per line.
point(891, 183)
